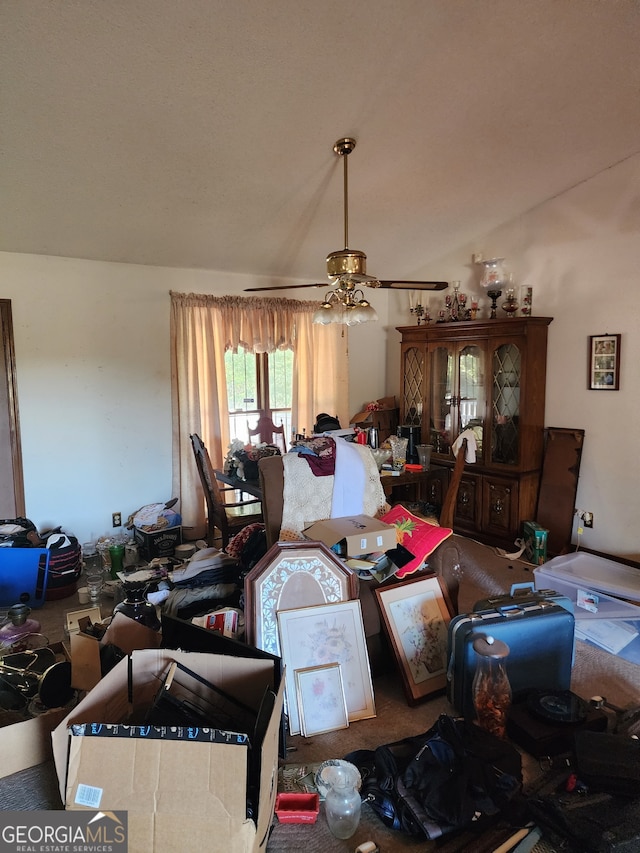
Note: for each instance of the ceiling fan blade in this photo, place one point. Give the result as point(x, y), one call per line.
point(415, 285)
point(284, 287)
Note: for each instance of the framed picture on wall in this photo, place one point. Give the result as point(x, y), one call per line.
point(604, 363)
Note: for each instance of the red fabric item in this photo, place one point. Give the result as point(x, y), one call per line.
point(418, 536)
point(322, 459)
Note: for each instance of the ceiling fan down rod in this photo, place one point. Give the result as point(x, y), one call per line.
point(344, 147)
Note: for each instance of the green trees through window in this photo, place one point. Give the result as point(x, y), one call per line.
point(258, 383)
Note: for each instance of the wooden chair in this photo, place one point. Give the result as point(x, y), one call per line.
point(227, 517)
point(269, 433)
point(449, 503)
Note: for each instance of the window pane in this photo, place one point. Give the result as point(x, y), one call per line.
point(280, 373)
point(242, 391)
point(280, 366)
point(245, 391)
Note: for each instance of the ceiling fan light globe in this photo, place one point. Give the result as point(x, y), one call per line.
point(322, 316)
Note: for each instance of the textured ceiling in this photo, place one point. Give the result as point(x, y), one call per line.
point(200, 133)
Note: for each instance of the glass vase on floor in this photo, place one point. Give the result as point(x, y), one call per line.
point(343, 803)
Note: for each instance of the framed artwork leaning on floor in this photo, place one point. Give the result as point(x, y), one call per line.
point(292, 574)
point(326, 634)
point(416, 615)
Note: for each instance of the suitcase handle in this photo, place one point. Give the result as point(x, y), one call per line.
point(527, 585)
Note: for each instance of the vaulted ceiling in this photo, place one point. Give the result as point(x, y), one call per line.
point(200, 133)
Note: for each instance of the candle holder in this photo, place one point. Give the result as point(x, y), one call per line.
point(421, 313)
point(494, 295)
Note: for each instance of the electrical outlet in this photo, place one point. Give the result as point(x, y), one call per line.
point(585, 517)
point(116, 519)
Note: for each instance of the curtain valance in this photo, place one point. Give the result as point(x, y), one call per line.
point(255, 323)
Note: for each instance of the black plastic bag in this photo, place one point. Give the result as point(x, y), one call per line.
point(19, 533)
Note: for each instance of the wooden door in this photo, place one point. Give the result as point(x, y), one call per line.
point(12, 491)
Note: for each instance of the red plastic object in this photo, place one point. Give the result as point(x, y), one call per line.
point(411, 467)
point(297, 808)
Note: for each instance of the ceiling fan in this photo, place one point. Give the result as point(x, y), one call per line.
point(347, 271)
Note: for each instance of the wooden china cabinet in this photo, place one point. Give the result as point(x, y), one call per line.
point(487, 376)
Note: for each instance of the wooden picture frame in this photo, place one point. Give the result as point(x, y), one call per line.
point(321, 701)
point(292, 575)
point(604, 363)
point(327, 633)
point(416, 615)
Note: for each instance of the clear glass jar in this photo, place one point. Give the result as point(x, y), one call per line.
point(90, 557)
point(342, 803)
point(491, 689)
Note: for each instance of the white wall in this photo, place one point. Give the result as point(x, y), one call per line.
point(367, 356)
point(93, 376)
point(581, 254)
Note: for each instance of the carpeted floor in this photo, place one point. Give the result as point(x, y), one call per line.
point(480, 572)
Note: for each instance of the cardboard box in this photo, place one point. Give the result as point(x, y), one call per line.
point(180, 793)
point(385, 419)
point(535, 542)
point(351, 536)
point(160, 543)
point(27, 743)
point(124, 633)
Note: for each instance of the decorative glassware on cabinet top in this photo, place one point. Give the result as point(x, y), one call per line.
point(510, 305)
point(494, 279)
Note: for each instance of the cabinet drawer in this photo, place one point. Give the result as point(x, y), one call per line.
point(500, 506)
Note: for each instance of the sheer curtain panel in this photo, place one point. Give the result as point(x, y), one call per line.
point(203, 327)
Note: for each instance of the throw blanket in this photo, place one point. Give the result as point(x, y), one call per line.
point(307, 498)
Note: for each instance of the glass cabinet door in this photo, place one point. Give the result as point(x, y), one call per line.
point(457, 395)
point(441, 399)
point(472, 393)
point(413, 380)
point(505, 404)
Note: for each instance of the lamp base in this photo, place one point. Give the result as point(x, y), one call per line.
point(494, 295)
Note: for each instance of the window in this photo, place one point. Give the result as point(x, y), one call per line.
point(258, 383)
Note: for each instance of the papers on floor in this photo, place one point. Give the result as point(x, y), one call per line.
point(611, 635)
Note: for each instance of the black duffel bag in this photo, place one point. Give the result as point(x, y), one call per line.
point(441, 781)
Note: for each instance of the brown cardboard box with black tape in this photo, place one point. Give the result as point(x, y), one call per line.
point(182, 793)
point(355, 534)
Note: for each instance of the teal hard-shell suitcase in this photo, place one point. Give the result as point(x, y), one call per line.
point(540, 636)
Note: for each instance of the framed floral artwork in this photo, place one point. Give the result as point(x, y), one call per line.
point(327, 634)
point(604, 363)
point(416, 615)
point(320, 696)
point(290, 575)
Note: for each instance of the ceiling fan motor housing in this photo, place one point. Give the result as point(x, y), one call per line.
point(346, 261)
